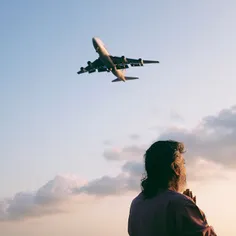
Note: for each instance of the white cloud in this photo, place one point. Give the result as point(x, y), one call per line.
point(46, 200)
point(126, 153)
point(134, 136)
point(214, 139)
point(210, 156)
point(104, 186)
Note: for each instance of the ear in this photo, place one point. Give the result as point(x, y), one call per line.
point(175, 168)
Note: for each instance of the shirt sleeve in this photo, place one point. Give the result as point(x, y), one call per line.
point(187, 219)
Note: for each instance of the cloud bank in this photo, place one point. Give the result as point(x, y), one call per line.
point(211, 152)
point(46, 200)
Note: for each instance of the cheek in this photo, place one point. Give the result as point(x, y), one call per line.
point(183, 170)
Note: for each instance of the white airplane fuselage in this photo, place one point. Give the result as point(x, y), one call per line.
point(105, 58)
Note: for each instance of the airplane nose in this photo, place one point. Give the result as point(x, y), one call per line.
point(95, 44)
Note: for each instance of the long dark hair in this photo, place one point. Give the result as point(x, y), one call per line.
point(160, 163)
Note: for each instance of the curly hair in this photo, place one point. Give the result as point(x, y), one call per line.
point(162, 159)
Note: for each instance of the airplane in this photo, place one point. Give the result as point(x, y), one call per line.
point(109, 63)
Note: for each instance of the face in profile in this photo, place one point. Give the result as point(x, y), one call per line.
point(182, 174)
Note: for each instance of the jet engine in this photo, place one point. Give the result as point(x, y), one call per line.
point(82, 69)
point(123, 58)
point(140, 61)
point(89, 63)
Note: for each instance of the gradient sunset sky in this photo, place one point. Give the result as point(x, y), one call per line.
point(72, 145)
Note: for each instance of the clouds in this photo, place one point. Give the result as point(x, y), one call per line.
point(112, 154)
point(205, 170)
point(211, 152)
point(46, 200)
point(225, 119)
point(211, 149)
point(126, 153)
point(214, 138)
point(134, 137)
point(104, 186)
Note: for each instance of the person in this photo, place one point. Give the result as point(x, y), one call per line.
point(163, 208)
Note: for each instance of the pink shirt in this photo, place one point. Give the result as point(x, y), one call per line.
point(169, 213)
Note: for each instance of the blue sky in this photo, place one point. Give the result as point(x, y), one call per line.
point(54, 121)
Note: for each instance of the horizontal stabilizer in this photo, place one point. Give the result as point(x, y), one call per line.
point(117, 80)
point(126, 78)
point(130, 78)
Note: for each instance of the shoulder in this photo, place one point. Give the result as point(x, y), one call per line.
point(137, 199)
point(174, 198)
point(180, 199)
point(188, 215)
point(184, 205)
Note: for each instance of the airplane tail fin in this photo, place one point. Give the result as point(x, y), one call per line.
point(126, 78)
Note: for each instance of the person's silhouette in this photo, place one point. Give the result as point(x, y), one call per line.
point(161, 209)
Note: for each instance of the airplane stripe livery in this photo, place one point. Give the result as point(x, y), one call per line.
point(109, 63)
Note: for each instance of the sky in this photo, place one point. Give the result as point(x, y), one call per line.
point(72, 145)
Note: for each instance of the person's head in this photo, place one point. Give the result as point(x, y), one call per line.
point(165, 169)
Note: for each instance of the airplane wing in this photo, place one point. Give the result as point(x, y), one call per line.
point(133, 62)
point(92, 67)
